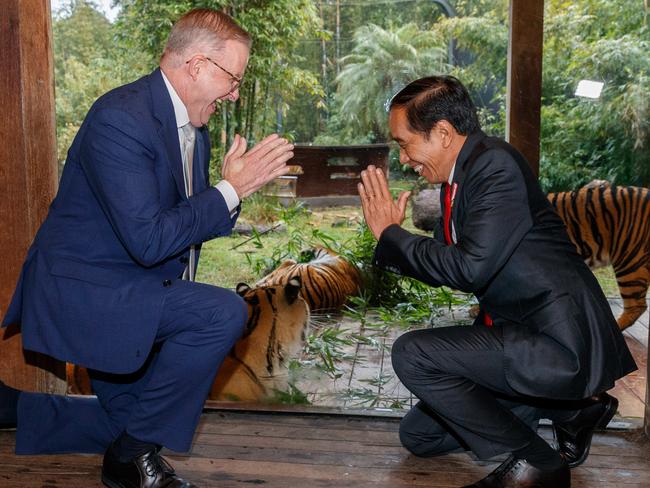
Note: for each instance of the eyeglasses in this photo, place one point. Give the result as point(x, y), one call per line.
point(235, 81)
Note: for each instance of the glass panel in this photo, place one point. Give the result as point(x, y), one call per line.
point(326, 86)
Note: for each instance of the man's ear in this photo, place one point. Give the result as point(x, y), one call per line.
point(193, 66)
point(446, 133)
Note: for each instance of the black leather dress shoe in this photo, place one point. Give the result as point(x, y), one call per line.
point(574, 437)
point(8, 406)
point(7, 426)
point(519, 473)
point(149, 470)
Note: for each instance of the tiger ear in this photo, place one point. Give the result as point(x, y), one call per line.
point(242, 289)
point(292, 289)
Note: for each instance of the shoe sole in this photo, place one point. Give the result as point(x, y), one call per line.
point(607, 415)
point(111, 483)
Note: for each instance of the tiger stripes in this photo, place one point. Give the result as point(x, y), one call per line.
point(257, 366)
point(328, 279)
point(610, 225)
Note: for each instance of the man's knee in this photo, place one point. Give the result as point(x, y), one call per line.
point(404, 356)
point(421, 445)
point(230, 315)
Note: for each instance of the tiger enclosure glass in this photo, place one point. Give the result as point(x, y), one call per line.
point(321, 73)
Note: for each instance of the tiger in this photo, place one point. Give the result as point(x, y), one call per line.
point(328, 279)
point(78, 380)
point(610, 225)
point(275, 331)
point(256, 367)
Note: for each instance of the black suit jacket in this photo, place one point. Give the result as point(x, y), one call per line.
point(513, 253)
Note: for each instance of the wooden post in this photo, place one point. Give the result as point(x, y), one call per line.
point(524, 88)
point(28, 171)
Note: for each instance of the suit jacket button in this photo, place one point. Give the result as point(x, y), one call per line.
point(167, 282)
point(184, 260)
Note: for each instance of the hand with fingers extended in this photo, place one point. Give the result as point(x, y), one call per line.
point(379, 208)
point(248, 171)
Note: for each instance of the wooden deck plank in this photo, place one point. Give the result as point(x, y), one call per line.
point(240, 449)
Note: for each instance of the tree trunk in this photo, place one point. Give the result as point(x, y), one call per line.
point(322, 114)
point(338, 36)
point(265, 104)
point(250, 115)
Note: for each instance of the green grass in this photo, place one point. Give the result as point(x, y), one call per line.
point(224, 266)
point(607, 280)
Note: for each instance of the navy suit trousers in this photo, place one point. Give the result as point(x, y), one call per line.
point(465, 401)
point(159, 404)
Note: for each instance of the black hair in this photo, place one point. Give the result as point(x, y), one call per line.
point(434, 98)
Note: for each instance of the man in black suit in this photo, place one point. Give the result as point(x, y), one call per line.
point(545, 344)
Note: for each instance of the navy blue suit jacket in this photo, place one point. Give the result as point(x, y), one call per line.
point(91, 289)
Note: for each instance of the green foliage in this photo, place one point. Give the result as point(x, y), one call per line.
point(87, 63)
point(581, 139)
point(260, 208)
point(316, 75)
point(399, 300)
point(326, 346)
point(381, 62)
point(481, 47)
point(81, 32)
point(608, 138)
point(299, 241)
point(272, 80)
point(292, 396)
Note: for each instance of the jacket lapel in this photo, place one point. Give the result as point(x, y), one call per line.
point(163, 110)
point(471, 149)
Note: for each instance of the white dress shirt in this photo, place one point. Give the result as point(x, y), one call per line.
point(182, 118)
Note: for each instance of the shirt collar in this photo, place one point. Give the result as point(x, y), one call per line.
point(451, 174)
point(180, 111)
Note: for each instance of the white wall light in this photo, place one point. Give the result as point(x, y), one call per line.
point(589, 89)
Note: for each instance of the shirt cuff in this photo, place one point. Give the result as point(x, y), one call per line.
point(229, 195)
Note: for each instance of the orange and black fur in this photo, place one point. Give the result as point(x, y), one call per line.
point(328, 279)
point(610, 225)
point(256, 367)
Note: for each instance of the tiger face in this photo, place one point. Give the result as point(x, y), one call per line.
point(276, 330)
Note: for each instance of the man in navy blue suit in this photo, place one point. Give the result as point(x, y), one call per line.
point(102, 285)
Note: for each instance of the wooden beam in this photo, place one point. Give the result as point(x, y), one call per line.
point(524, 86)
point(28, 170)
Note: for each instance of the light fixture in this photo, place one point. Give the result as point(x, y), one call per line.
point(589, 89)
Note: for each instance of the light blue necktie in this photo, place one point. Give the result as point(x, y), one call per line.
point(189, 137)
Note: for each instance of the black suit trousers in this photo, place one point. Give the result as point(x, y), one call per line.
point(465, 400)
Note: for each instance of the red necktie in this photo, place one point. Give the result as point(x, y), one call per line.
point(487, 320)
point(447, 216)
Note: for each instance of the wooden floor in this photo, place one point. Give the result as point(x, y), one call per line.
point(277, 450)
point(630, 390)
